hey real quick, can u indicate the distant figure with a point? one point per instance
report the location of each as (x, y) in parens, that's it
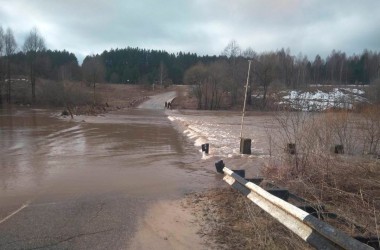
(169, 105)
(166, 104)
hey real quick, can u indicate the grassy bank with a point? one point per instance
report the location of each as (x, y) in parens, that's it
(80, 97)
(344, 182)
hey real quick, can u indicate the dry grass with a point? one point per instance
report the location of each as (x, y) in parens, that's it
(346, 184)
(231, 221)
(79, 97)
(349, 188)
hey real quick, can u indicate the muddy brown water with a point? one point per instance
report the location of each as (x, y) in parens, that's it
(86, 181)
(122, 150)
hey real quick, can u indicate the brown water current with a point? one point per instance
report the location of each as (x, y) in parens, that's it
(132, 149)
(88, 179)
(102, 182)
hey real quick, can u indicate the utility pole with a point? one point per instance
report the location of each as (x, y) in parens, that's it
(245, 143)
(245, 99)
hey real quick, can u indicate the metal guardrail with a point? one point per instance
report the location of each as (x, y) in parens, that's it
(312, 230)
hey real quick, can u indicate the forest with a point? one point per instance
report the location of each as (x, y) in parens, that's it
(210, 75)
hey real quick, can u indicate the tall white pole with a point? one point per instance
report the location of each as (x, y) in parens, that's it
(245, 99)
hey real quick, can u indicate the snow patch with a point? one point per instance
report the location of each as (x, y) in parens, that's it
(318, 100)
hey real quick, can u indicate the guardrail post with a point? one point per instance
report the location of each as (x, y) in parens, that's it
(205, 148)
(291, 148)
(338, 149)
(245, 146)
(219, 166)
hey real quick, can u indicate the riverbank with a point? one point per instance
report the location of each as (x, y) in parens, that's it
(344, 184)
(111, 97)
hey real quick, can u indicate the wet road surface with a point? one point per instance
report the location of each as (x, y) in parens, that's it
(158, 101)
(84, 185)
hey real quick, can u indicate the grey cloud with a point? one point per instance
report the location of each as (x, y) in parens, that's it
(201, 26)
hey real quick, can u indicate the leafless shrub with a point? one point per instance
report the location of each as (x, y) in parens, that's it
(374, 91)
(370, 127)
(75, 94)
(21, 93)
(346, 184)
(342, 131)
(51, 93)
(293, 126)
(60, 94)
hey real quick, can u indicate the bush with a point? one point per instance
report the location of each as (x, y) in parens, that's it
(76, 94)
(346, 184)
(51, 93)
(60, 94)
(374, 91)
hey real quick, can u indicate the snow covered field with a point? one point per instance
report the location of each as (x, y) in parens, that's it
(318, 100)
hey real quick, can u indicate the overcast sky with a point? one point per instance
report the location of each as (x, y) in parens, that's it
(201, 26)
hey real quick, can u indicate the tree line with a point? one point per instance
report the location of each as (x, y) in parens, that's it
(211, 76)
(214, 76)
(226, 76)
(32, 60)
(141, 66)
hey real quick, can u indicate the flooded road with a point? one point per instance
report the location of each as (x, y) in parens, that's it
(221, 129)
(111, 181)
(84, 184)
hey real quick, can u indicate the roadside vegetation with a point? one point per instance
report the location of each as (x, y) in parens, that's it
(229, 220)
(335, 164)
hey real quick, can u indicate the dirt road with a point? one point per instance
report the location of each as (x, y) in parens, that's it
(158, 101)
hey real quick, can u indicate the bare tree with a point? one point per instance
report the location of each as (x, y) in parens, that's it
(250, 54)
(218, 80)
(342, 62)
(34, 44)
(370, 125)
(209, 83)
(317, 69)
(2, 78)
(163, 72)
(197, 77)
(10, 48)
(232, 51)
(373, 92)
(265, 73)
(301, 63)
(287, 67)
(93, 71)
